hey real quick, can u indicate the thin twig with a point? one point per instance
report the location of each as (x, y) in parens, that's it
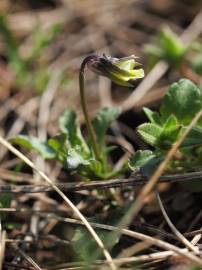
(134, 249)
(2, 247)
(51, 238)
(178, 234)
(135, 181)
(196, 238)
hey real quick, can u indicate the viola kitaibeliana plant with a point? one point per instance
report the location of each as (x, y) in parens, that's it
(88, 156)
(167, 46)
(179, 106)
(182, 56)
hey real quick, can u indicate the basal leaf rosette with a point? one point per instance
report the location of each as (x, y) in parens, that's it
(122, 71)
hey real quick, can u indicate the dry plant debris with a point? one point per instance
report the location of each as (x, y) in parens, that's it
(42, 45)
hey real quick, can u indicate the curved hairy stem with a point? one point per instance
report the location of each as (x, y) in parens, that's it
(89, 126)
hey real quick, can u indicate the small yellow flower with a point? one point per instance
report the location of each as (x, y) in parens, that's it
(121, 71)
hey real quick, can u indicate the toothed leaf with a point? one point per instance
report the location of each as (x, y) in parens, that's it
(150, 133)
(183, 100)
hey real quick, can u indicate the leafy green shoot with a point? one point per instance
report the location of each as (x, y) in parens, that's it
(72, 150)
(181, 103)
(166, 46)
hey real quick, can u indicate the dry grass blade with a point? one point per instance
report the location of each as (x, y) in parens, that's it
(45, 102)
(194, 29)
(132, 250)
(2, 247)
(135, 181)
(196, 239)
(69, 203)
(178, 234)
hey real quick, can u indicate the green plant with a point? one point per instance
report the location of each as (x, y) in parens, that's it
(87, 157)
(179, 106)
(29, 69)
(166, 46)
(169, 47)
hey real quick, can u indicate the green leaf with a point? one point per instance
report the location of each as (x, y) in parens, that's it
(167, 46)
(68, 125)
(171, 129)
(140, 159)
(172, 46)
(171, 123)
(45, 150)
(102, 122)
(60, 144)
(183, 100)
(74, 159)
(170, 132)
(150, 133)
(154, 117)
(57, 142)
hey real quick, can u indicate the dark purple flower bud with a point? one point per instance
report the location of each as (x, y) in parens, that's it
(121, 71)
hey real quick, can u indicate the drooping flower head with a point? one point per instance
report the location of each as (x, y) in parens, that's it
(121, 71)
